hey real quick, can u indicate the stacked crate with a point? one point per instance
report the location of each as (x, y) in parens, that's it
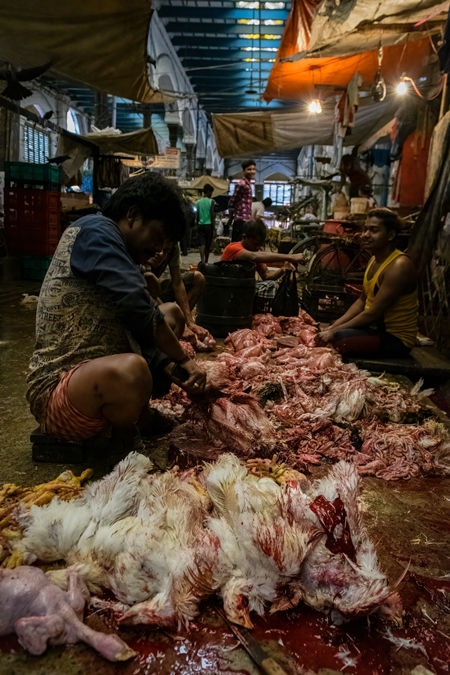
(32, 221)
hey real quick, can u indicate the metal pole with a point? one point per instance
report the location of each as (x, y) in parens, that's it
(113, 111)
(444, 96)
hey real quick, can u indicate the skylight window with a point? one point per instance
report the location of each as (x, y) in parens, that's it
(257, 49)
(256, 22)
(255, 5)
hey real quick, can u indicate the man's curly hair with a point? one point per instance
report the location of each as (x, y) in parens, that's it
(156, 198)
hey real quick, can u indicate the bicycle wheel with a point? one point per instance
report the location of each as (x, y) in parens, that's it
(310, 245)
(338, 264)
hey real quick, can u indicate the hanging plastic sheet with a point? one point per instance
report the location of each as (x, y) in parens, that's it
(355, 26)
(259, 133)
(431, 218)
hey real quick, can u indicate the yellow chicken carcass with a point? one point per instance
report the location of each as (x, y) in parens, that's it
(17, 498)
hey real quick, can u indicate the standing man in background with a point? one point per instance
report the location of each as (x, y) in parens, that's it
(240, 205)
(205, 222)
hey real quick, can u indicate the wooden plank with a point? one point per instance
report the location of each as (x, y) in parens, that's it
(429, 357)
(423, 362)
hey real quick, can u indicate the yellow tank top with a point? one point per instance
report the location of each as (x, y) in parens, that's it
(401, 319)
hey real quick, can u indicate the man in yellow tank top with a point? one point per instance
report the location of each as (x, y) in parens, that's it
(384, 318)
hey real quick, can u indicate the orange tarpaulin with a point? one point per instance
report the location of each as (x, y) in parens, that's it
(309, 78)
(297, 32)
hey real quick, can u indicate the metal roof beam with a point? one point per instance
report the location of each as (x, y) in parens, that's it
(175, 12)
(206, 42)
(175, 27)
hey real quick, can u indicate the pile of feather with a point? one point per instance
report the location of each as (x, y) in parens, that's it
(274, 391)
(259, 536)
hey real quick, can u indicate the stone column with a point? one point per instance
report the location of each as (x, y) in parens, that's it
(173, 134)
(190, 158)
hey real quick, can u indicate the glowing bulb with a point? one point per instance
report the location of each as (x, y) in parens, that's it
(402, 88)
(315, 106)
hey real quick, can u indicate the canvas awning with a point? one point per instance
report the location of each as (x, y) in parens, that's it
(101, 44)
(142, 142)
(255, 133)
(220, 185)
(318, 53)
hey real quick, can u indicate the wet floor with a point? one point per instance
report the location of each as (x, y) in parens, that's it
(409, 522)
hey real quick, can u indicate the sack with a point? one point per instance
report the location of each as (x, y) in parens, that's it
(285, 302)
(219, 229)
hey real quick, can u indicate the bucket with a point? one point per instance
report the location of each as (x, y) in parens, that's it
(227, 301)
(333, 226)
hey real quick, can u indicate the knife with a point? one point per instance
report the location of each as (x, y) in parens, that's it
(267, 664)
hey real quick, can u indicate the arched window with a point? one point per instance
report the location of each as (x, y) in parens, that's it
(72, 122)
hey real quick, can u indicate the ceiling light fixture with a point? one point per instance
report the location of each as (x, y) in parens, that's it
(315, 106)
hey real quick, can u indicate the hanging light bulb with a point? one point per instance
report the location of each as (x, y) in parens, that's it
(378, 84)
(315, 106)
(401, 88)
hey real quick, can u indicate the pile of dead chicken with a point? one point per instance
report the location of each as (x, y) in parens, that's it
(260, 537)
(281, 393)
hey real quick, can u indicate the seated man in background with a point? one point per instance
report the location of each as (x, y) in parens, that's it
(384, 318)
(254, 234)
(177, 295)
(259, 208)
(102, 344)
(205, 222)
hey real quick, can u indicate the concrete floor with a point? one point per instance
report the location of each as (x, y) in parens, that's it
(410, 522)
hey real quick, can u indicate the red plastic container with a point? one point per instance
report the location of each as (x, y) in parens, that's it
(334, 227)
(32, 221)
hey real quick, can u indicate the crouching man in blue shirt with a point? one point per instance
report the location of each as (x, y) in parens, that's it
(102, 344)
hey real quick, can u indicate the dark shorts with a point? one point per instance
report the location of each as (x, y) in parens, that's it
(360, 342)
(167, 294)
(238, 226)
(204, 235)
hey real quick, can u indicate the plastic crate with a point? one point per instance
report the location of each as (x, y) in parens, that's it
(31, 173)
(33, 185)
(326, 304)
(262, 305)
(35, 268)
(36, 243)
(31, 206)
(32, 221)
